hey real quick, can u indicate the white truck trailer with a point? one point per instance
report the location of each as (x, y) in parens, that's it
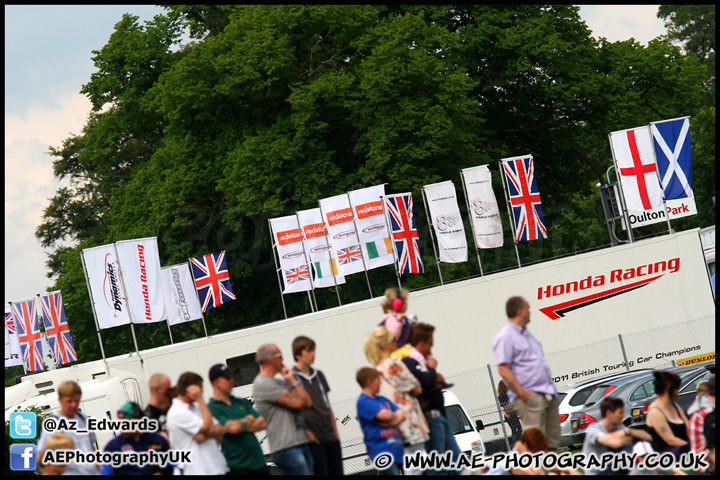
(650, 284)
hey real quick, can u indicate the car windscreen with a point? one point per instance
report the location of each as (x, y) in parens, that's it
(459, 423)
(602, 391)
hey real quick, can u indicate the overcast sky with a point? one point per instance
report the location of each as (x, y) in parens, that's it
(48, 53)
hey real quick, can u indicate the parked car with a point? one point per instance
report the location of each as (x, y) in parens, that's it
(466, 435)
(573, 397)
(641, 398)
(638, 387)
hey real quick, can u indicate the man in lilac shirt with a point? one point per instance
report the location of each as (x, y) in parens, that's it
(521, 363)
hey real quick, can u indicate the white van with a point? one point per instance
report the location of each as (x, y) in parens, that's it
(466, 435)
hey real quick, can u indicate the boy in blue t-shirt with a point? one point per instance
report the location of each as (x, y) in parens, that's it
(379, 418)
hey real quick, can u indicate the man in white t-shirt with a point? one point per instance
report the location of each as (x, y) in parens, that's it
(192, 427)
(609, 434)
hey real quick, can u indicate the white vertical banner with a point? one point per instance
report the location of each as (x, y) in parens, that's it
(371, 229)
(293, 263)
(106, 288)
(12, 345)
(446, 221)
(140, 265)
(483, 207)
(320, 253)
(181, 300)
(338, 217)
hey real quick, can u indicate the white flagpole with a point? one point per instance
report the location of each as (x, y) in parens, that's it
(622, 191)
(510, 213)
(202, 315)
(277, 269)
(127, 299)
(472, 222)
(392, 242)
(431, 225)
(92, 304)
(362, 257)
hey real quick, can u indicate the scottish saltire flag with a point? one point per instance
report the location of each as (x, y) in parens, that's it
(524, 198)
(212, 280)
(349, 255)
(28, 328)
(56, 328)
(399, 211)
(297, 274)
(672, 152)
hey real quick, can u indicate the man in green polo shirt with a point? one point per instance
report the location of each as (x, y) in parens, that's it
(239, 445)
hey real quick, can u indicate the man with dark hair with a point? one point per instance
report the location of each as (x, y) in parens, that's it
(609, 434)
(422, 364)
(239, 444)
(280, 402)
(324, 441)
(521, 364)
(192, 427)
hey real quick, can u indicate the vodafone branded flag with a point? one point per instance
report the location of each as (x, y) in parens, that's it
(102, 273)
(140, 266)
(293, 263)
(447, 222)
(320, 252)
(338, 217)
(372, 230)
(483, 207)
(635, 159)
(181, 300)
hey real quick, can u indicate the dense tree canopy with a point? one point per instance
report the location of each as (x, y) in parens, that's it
(270, 108)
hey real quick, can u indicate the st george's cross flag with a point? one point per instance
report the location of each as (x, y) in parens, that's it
(29, 337)
(56, 328)
(633, 153)
(12, 346)
(524, 198)
(212, 280)
(399, 213)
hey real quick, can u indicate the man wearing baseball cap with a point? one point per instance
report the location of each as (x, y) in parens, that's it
(137, 441)
(239, 445)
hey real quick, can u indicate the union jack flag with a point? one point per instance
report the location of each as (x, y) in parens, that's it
(349, 255)
(212, 280)
(404, 233)
(28, 328)
(524, 198)
(57, 329)
(297, 274)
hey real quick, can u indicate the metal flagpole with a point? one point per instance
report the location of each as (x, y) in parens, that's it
(22, 359)
(333, 266)
(622, 191)
(431, 224)
(657, 172)
(472, 223)
(277, 269)
(92, 304)
(197, 294)
(307, 261)
(392, 242)
(512, 217)
(127, 299)
(367, 278)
